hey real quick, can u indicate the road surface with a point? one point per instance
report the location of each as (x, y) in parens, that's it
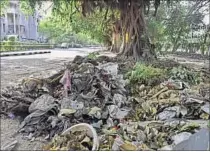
(14, 68)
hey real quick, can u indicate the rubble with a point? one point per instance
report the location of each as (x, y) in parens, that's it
(126, 116)
(181, 137)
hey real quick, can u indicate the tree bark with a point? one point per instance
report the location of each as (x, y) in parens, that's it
(134, 26)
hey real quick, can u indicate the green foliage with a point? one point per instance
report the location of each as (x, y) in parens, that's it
(93, 55)
(68, 20)
(51, 29)
(7, 46)
(185, 75)
(28, 7)
(3, 6)
(58, 33)
(12, 38)
(143, 73)
(92, 25)
(170, 29)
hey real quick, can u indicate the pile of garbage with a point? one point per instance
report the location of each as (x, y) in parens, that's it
(94, 92)
(89, 93)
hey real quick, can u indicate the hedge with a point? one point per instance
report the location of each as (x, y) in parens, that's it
(7, 46)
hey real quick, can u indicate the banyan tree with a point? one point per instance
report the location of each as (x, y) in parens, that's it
(130, 26)
(130, 36)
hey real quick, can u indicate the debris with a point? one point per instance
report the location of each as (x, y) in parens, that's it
(166, 114)
(11, 115)
(184, 74)
(119, 100)
(128, 147)
(42, 103)
(167, 148)
(111, 68)
(144, 112)
(181, 137)
(183, 110)
(98, 125)
(206, 108)
(194, 99)
(190, 127)
(66, 112)
(66, 81)
(78, 137)
(141, 137)
(117, 113)
(164, 89)
(117, 143)
(95, 112)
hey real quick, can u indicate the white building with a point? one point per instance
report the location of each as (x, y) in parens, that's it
(14, 22)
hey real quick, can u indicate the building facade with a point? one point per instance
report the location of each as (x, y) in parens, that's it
(14, 22)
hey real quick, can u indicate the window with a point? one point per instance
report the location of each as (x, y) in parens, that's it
(4, 28)
(12, 5)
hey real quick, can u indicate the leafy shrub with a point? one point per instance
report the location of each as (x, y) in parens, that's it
(143, 73)
(22, 46)
(93, 55)
(12, 38)
(184, 74)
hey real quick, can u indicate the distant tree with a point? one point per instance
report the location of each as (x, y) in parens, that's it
(3, 6)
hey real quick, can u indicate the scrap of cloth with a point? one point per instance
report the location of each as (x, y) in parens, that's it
(66, 80)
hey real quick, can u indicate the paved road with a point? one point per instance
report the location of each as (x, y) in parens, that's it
(14, 68)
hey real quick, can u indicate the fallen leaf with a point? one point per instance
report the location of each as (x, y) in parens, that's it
(128, 147)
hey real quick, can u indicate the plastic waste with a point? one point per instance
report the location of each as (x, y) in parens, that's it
(206, 108)
(91, 132)
(117, 143)
(42, 103)
(111, 68)
(166, 115)
(181, 137)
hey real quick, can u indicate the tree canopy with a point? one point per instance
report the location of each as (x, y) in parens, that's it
(125, 20)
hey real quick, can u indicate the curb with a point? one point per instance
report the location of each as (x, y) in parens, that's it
(27, 53)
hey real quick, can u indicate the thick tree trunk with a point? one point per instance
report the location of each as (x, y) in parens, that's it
(134, 27)
(116, 38)
(115, 43)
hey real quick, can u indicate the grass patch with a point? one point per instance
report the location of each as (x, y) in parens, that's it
(142, 73)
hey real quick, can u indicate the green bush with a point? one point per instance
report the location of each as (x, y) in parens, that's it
(186, 75)
(142, 73)
(9, 45)
(12, 38)
(93, 55)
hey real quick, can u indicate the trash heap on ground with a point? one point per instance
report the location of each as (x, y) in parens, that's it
(136, 111)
